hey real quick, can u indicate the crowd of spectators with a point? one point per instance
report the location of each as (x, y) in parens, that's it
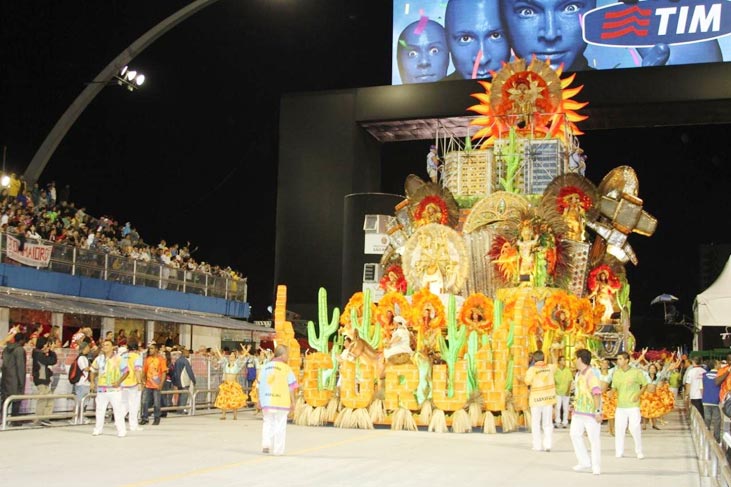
(46, 215)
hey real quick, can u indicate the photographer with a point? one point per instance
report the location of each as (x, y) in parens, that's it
(43, 358)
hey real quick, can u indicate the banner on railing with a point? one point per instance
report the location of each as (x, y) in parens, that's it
(33, 254)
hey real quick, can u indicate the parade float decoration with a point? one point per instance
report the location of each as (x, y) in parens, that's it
(515, 250)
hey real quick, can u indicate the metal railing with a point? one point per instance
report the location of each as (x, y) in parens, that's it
(36, 417)
(71, 260)
(712, 464)
(78, 414)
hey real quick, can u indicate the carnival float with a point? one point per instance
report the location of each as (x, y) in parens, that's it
(514, 250)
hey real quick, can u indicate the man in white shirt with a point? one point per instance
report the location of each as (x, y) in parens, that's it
(693, 381)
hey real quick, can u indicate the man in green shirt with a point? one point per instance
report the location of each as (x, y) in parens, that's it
(563, 379)
(629, 383)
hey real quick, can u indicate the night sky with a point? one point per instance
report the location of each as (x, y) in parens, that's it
(178, 158)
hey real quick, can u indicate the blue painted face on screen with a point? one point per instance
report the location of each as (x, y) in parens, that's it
(474, 29)
(548, 29)
(422, 53)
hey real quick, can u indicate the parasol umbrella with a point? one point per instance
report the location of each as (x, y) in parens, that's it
(664, 298)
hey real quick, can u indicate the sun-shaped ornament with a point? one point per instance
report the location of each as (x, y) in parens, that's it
(531, 98)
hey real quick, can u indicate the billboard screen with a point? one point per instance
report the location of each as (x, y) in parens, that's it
(437, 40)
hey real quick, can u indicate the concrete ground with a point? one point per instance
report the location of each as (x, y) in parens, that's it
(204, 451)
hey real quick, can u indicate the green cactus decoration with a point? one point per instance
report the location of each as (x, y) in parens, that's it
(623, 299)
(364, 326)
(513, 158)
(320, 342)
(328, 377)
(497, 314)
(457, 336)
(509, 375)
(471, 356)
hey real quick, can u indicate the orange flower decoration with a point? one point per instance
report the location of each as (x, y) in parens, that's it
(476, 313)
(355, 302)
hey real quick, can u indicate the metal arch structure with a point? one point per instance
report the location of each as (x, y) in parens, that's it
(72, 113)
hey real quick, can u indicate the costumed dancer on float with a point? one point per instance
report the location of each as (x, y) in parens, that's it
(231, 395)
(398, 351)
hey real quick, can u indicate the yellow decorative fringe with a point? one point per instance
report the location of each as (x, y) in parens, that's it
(425, 414)
(438, 423)
(318, 416)
(332, 409)
(343, 420)
(475, 411)
(302, 415)
(403, 420)
(461, 422)
(489, 424)
(377, 412)
(361, 419)
(509, 420)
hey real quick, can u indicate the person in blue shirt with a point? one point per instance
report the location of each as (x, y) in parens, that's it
(711, 391)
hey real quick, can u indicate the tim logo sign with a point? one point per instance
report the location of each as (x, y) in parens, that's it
(651, 22)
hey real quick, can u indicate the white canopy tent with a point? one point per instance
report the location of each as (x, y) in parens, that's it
(712, 307)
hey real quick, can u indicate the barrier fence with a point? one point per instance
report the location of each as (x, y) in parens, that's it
(67, 406)
(713, 464)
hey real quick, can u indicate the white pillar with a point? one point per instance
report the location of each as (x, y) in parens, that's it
(4, 321)
(185, 335)
(107, 325)
(149, 332)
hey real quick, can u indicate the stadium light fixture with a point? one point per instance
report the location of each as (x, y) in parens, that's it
(130, 79)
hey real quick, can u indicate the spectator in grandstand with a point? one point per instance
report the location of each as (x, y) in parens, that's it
(121, 338)
(65, 194)
(52, 195)
(134, 338)
(13, 186)
(108, 371)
